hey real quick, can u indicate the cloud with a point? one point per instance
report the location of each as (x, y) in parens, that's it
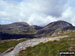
(40, 19)
(69, 15)
(36, 12)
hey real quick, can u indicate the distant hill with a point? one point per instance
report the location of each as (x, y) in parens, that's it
(37, 27)
(55, 28)
(17, 28)
(24, 30)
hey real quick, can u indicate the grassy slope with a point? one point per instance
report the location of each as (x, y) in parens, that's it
(4, 45)
(50, 48)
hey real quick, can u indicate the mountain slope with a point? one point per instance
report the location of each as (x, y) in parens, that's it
(22, 30)
(55, 28)
(37, 27)
(17, 28)
(31, 43)
(51, 48)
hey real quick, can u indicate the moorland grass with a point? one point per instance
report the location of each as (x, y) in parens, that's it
(6, 44)
(51, 48)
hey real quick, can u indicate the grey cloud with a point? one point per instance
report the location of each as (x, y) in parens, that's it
(37, 12)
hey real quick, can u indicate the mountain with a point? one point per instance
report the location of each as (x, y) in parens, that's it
(17, 28)
(23, 30)
(37, 27)
(55, 28)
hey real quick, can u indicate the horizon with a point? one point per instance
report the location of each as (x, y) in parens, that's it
(35, 25)
(37, 12)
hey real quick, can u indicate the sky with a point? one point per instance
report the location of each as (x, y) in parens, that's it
(37, 12)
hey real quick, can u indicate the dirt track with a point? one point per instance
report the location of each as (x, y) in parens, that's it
(23, 45)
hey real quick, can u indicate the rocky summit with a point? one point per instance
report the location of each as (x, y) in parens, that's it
(55, 28)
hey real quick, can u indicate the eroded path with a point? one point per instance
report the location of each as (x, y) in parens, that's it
(23, 45)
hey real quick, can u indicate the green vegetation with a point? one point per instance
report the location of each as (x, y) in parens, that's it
(72, 34)
(51, 48)
(48, 49)
(6, 44)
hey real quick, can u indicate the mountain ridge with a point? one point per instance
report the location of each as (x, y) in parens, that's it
(23, 28)
(17, 28)
(55, 28)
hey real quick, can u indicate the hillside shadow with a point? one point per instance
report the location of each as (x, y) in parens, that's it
(5, 36)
